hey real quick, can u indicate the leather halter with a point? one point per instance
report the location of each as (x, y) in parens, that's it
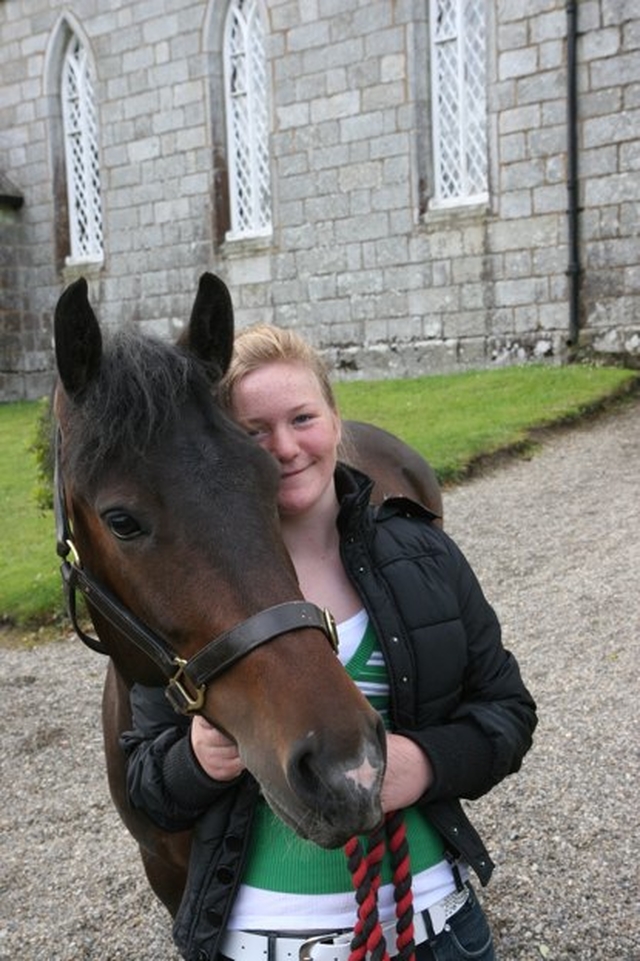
(186, 679)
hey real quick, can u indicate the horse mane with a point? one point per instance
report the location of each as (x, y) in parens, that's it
(141, 385)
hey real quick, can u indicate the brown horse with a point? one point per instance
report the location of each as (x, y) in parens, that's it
(394, 467)
(167, 524)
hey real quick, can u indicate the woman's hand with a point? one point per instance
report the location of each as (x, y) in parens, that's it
(408, 774)
(216, 753)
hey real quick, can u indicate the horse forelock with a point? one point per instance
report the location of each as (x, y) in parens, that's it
(141, 389)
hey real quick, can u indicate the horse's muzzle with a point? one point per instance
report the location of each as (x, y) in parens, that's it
(341, 797)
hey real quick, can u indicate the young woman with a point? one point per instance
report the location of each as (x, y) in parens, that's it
(458, 722)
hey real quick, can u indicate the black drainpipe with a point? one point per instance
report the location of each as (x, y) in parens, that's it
(574, 269)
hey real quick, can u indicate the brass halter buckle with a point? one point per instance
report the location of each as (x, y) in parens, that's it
(331, 629)
(73, 550)
(181, 693)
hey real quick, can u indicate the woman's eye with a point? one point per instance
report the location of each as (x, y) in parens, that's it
(257, 432)
(123, 525)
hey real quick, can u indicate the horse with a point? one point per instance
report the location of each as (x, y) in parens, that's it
(167, 525)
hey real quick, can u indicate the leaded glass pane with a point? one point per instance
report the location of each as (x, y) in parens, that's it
(81, 154)
(247, 120)
(458, 55)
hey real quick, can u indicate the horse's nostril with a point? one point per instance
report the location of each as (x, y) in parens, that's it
(302, 774)
(381, 739)
(303, 769)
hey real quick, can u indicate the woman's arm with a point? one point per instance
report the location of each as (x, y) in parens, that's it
(487, 735)
(165, 778)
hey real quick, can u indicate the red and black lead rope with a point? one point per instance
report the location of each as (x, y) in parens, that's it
(364, 867)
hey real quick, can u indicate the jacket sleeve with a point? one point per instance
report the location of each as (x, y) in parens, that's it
(164, 778)
(489, 728)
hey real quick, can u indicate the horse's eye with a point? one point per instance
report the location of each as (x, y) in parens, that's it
(123, 525)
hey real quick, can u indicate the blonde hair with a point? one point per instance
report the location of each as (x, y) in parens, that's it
(265, 344)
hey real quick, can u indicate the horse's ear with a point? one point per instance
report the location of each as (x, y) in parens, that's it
(210, 332)
(77, 338)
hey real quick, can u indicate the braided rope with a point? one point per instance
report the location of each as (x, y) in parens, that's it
(368, 938)
(402, 886)
(367, 933)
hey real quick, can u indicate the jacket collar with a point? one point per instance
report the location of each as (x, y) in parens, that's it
(354, 492)
(353, 489)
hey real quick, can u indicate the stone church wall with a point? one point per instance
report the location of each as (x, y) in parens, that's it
(359, 260)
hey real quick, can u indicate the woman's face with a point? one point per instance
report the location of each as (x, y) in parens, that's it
(282, 405)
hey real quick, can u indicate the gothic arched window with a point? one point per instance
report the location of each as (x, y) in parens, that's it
(247, 117)
(80, 131)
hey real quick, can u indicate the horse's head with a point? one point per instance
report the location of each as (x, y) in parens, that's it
(172, 510)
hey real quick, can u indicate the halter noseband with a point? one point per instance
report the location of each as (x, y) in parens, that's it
(186, 679)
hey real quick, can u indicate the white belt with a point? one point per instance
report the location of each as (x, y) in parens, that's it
(245, 946)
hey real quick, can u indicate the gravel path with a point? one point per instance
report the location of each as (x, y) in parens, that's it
(555, 543)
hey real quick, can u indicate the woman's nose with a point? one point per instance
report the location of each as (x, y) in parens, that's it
(283, 444)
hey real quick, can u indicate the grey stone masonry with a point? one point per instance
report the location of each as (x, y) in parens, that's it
(360, 259)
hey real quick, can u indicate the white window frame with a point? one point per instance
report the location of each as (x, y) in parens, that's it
(79, 119)
(247, 121)
(462, 37)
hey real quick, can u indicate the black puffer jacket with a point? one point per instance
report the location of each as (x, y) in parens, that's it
(454, 690)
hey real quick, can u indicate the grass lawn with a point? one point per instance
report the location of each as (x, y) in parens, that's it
(29, 579)
(453, 419)
(450, 419)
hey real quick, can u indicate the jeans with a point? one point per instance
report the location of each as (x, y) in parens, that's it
(466, 935)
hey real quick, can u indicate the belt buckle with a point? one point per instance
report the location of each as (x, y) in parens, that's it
(440, 913)
(438, 916)
(306, 948)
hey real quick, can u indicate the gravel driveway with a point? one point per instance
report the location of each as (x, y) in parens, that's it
(555, 541)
